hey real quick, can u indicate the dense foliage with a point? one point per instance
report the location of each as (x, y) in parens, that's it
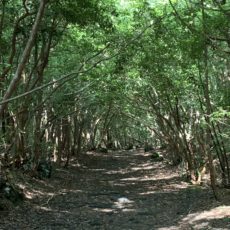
(86, 75)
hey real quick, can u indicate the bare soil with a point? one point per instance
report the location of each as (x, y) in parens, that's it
(123, 190)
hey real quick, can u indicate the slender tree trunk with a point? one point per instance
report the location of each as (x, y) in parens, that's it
(25, 56)
(59, 142)
(79, 137)
(208, 108)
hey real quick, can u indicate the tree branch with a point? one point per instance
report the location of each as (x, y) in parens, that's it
(79, 71)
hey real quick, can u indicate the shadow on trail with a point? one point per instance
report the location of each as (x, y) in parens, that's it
(120, 191)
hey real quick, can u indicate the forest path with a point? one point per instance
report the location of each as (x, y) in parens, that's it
(116, 191)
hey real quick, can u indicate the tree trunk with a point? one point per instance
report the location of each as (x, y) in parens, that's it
(25, 56)
(208, 108)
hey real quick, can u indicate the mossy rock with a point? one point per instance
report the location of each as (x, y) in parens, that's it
(102, 150)
(129, 147)
(157, 157)
(13, 194)
(44, 169)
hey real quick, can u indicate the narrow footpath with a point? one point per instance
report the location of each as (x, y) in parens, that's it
(123, 190)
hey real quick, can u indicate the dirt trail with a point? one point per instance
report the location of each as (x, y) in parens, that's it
(116, 191)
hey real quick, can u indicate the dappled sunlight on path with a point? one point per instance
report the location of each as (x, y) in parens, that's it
(117, 191)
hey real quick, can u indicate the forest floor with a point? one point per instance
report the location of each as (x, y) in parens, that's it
(124, 190)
